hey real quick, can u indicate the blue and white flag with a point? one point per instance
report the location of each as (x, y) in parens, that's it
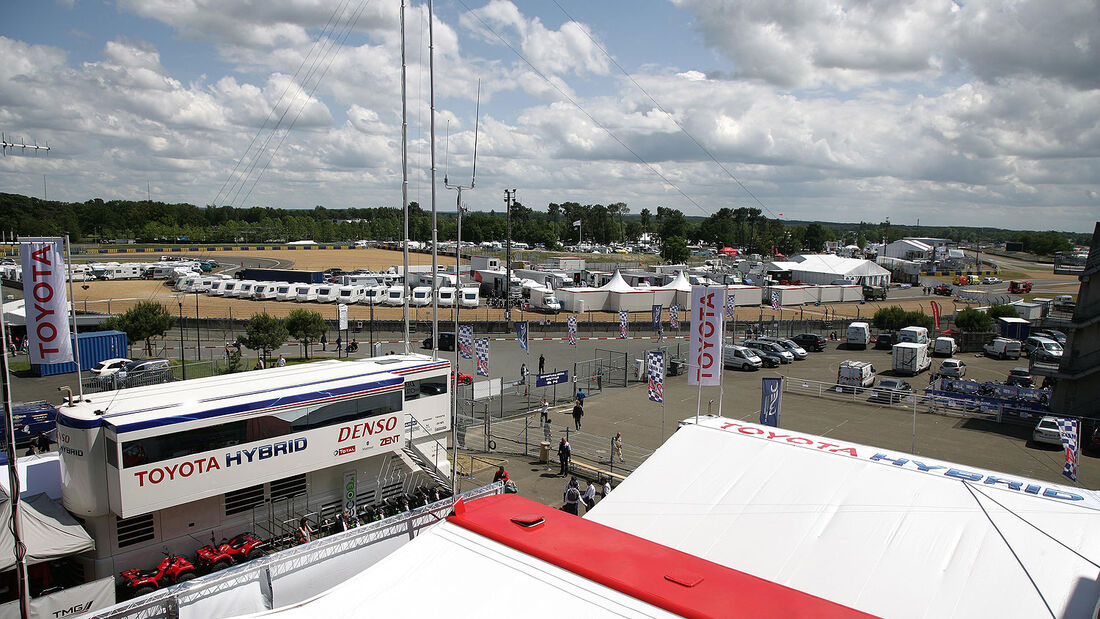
(572, 331)
(623, 317)
(655, 375)
(481, 347)
(771, 399)
(1067, 429)
(466, 341)
(731, 309)
(657, 318)
(674, 316)
(521, 333)
(775, 299)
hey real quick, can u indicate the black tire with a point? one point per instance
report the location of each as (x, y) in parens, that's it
(255, 553)
(492, 444)
(184, 577)
(219, 566)
(143, 590)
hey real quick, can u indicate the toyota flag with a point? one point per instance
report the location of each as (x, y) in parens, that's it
(771, 398)
(705, 350)
(47, 305)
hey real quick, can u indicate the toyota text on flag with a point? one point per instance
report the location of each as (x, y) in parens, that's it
(706, 337)
(46, 301)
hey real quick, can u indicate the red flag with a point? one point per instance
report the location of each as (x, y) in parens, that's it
(936, 314)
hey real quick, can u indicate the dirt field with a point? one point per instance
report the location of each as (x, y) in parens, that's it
(118, 296)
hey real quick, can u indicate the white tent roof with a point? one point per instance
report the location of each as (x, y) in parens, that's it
(679, 283)
(830, 263)
(865, 527)
(617, 284)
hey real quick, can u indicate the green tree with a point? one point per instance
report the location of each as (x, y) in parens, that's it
(674, 249)
(814, 237)
(917, 319)
(971, 320)
(890, 318)
(305, 326)
(143, 321)
(265, 333)
(1003, 311)
(645, 214)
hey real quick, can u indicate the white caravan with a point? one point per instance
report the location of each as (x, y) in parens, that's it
(216, 288)
(285, 291)
(469, 298)
(350, 294)
(374, 295)
(244, 289)
(421, 296)
(446, 297)
(263, 291)
(305, 292)
(327, 293)
(395, 295)
(229, 288)
(186, 284)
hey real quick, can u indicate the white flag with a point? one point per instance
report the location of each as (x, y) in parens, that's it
(47, 305)
(705, 350)
(577, 223)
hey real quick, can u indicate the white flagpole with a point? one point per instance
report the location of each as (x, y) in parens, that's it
(698, 369)
(72, 313)
(722, 354)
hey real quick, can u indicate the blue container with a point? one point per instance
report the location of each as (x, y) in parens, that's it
(30, 418)
(95, 346)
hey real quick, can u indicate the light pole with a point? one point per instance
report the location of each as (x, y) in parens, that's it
(182, 362)
(198, 338)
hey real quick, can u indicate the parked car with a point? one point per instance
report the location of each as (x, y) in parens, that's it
(1042, 349)
(109, 366)
(811, 341)
(1020, 376)
(991, 280)
(145, 371)
(1064, 302)
(953, 368)
(788, 356)
(799, 353)
(769, 358)
(1051, 334)
(885, 341)
(740, 357)
(891, 390)
(1046, 431)
(463, 378)
(446, 341)
(1002, 348)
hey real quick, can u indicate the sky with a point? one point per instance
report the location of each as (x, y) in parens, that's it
(970, 113)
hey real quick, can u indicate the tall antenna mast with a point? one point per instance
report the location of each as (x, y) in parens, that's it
(435, 227)
(458, 287)
(404, 184)
(5, 145)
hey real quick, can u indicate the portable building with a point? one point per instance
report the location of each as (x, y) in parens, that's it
(1013, 328)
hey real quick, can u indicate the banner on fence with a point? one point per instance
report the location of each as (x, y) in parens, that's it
(481, 347)
(674, 317)
(522, 329)
(1067, 429)
(771, 400)
(731, 309)
(936, 315)
(623, 317)
(705, 350)
(655, 375)
(552, 378)
(466, 341)
(572, 330)
(47, 305)
(657, 318)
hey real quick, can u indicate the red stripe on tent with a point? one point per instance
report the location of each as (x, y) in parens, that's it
(664, 577)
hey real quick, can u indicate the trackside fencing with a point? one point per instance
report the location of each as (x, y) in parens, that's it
(289, 576)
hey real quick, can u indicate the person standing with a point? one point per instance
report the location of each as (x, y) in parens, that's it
(606, 489)
(500, 475)
(523, 373)
(544, 411)
(617, 447)
(281, 362)
(42, 442)
(589, 497)
(542, 364)
(580, 396)
(578, 412)
(564, 453)
(572, 498)
(324, 342)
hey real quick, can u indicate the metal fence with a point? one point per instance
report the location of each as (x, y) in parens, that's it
(266, 571)
(192, 369)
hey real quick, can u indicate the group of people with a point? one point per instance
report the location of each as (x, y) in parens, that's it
(574, 498)
(353, 344)
(525, 373)
(40, 445)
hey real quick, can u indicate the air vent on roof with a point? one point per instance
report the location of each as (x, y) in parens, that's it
(387, 361)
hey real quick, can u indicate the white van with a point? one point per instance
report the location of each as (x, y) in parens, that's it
(740, 357)
(305, 292)
(915, 335)
(945, 346)
(1002, 348)
(855, 376)
(858, 335)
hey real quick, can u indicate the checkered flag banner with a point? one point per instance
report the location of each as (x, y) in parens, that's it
(522, 329)
(1067, 429)
(655, 375)
(674, 316)
(466, 341)
(623, 317)
(572, 331)
(481, 347)
(731, 309)
(775, 299)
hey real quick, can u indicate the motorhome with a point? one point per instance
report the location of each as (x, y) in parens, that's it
(910, 358)
(263, 291)
(155, 467)
(327, 293)
(446, 297)
(395, 296)
(115, 270)
(916, 335)
(421, 296)
(285, 291)
(469, 298)
(542, 299)
(305, 292)
(858, 335)
(350, 294)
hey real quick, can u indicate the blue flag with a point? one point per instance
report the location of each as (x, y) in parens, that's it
(521, 334)
(771, 398)
(657, 318)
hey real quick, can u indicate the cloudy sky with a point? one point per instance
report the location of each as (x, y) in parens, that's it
(973, 112)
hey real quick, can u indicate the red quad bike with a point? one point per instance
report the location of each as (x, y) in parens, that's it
(241, 548)
(171, 570)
